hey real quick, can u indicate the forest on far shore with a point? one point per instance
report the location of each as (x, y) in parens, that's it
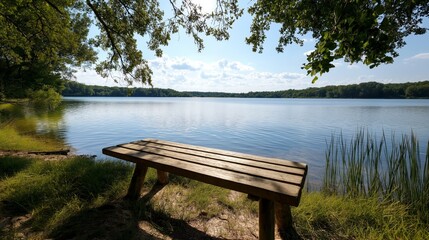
(362, 90)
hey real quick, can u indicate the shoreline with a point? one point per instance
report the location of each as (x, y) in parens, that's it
(44, 155)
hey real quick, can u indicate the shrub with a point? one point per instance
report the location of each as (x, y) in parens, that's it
(45, 97)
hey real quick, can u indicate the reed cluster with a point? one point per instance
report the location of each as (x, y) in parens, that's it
(389, 170)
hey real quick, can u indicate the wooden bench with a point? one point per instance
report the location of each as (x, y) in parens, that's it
(276, 183)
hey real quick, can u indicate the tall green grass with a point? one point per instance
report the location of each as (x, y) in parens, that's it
(53, 191)
(385, 168)
(81, 198)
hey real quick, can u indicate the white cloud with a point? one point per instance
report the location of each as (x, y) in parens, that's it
(184, 66)
(338, 63)
(207, 6)
(222, 75)
(184, 74)
(353, 66)
(366, 78)
(308, 52)
(309, 40)
(420, 56)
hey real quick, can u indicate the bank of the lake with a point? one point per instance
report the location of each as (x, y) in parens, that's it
(82, 197)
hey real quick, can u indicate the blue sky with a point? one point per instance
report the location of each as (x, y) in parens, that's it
(231, 66)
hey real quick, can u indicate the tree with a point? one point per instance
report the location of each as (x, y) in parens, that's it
(418, 91)
(53, 34)
(40, 42)
(368, 31)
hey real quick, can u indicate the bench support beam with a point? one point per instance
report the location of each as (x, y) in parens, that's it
(266, 219)
(284, 219)
(162, 177)
(136, 185)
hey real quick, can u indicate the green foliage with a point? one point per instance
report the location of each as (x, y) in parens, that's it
(371, 167)
(41, 42)
(362, 90)
(52, 36)
(72, 88)
(46, 97)
(358, 31)
(421, 91)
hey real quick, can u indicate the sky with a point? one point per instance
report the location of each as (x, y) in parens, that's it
(231, 66)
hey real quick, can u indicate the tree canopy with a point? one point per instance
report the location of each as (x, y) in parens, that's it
(368, 31)
(53, 35)
(43, 41)
(362, 90)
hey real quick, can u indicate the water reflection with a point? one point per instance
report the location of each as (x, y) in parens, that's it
(28, 119)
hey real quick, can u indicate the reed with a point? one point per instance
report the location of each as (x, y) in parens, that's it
(390, 170)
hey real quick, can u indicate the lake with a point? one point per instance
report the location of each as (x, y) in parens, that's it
(294, 129)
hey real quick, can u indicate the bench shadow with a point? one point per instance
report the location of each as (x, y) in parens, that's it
(166, 225)
(127, 219)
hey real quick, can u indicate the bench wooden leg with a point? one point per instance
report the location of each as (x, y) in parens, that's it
(284, 221)
(266, 219)
(134, 191)
(162, 177)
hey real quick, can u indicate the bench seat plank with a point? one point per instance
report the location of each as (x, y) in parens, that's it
(233, 167)
(226, 158)
(263, 177)
(276, 161)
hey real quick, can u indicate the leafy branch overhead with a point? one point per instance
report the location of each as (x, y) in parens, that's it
(53, 35)
(120, 21)
(368, 31)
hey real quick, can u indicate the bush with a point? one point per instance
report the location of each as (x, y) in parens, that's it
(46, 97)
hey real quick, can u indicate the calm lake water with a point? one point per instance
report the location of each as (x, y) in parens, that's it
(294, 129)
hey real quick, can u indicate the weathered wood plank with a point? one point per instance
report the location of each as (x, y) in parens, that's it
(266, 219)
(283, 217)
(225, 158)
(233, 167)
(277, 161)
(162, 177)
(276, 191)
(137, 181)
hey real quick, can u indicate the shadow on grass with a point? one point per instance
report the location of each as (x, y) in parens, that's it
(127, 219)
(82, 199)
(113, 220)
(10, 165)
(171, 227)
(55, 191)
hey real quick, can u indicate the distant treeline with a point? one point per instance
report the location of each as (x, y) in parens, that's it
(362, 90)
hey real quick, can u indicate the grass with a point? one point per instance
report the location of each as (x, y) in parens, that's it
(83, 197)
(54, 191)
(377, 168)
(322, 216)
